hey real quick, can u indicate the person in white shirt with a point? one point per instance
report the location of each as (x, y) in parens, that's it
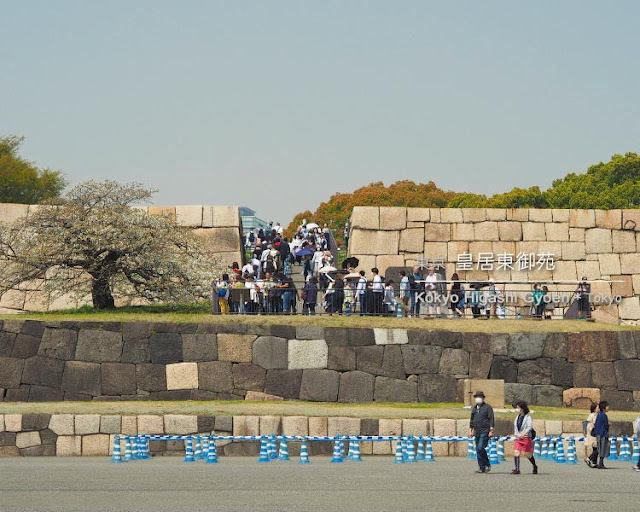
(432, 296)
(389, 298)
(361, 293)
(278, 229)
(378, 291)
(247, 270)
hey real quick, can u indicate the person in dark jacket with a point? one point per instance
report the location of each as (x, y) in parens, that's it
(310, 296)
(481, 427)
(601, 431)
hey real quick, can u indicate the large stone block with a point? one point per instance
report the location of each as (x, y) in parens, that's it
(480, 365)
(619, 400)
(87, 424)
(609, 264)
(497, 214)
(309, 332)
(610, 219)
(343, 426)
(118, 379)
(493, 390)
(304, 354)
(151, 377)
(319, 385)
(58, 343)
(412, 240)
(69, 446)
(474, 214)
(390, 336)
(270, 352)
(504, 368)
(526, 345)
(284, 383)
(510, 231)
(365, 217)
(62, 424)
(451, 215)
(136, 351)
(215, 376)
(129, 425)
(249, 377)
(631, 219)
(10, 372)
(454, 362)
(557, 232)
(235, 347)
(181, 424)
(515, 392)
(318, 426)
(82, 377)
(183, 376)
(533, 231)
(419, 359)
(374, 242)
(580, 398)
(627, 373)
(395, 390)
(547, 396)
(270, 425)
(199, 347)
(7, 341)
(582, 218)
(630, 263)
(624, 286)
(623, 241)
(593, 346)
(341, 358)
(220, 240)
(25, 346)
(598, 240)
(299, 426)
(189, 216)
(485, 231)
(95, 445)
(246, 425)
(385, 261)
(165, 348)
(112, 424)
(369, 359)
(43, 371)
(572, 251)
(356, 386)
(351, 337)
(393, 217)
(561, 372)
(437, 232)
(418, 215)
(99, 346)
(28, 439)
(629, 308)
(462, 232)
(582, 375)
(537, 371)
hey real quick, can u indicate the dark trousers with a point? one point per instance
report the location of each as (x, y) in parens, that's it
(363, 304)
(377, 303)
(594, 456)
(482, 441)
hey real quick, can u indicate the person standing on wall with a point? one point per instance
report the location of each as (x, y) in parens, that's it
(523, 432)
(481, 427)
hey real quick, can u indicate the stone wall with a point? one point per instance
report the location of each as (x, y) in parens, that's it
(601, 244)
(93, 434)
(218, 226)
(52, 361)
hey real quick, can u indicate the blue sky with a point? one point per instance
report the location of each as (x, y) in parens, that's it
(278, 104)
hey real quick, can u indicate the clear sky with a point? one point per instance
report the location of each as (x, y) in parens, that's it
(278, 104)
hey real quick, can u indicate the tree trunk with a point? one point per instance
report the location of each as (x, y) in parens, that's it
(101, 294)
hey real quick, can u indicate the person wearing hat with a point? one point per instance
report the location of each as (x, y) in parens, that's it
(481, 427)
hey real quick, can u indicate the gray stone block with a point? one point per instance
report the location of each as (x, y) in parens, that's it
(561, 373)
(206, 423)
(628, 374)
(166, 348)
(437, 388)
(111, 424)
(151, 377)
(618, 400)
(421, 358)
(348, 337)
(178, 394)
(43, 371)
(454, 361)
(480, 365)
(45, 394)
(395, 390)
(10, 372)
(7, 340)
(514, 392)
(393, 363)
(626, 345)
(446, 339)
(309, 332)
(216, 376)
(48, 437)
(369, 427)
(419, 337)
(476, 342)
(603, 375)
(136, 330)
(136, 351)
(284, 383)
(18, 395)
(556, 345)
(99, 346)
(224, 424)
(270, 353)
(356, 386)
(526, 345)
(369, 359)
(33, 328)
(341, 358)
(58, 343)
(25, 346)
(81, 377)
(35, 421)
(118, 379)
(504, 368)
(7, 438)
(249, 377)
(283, 331)
(582, 375)
(537, 371)
(201, 395)
(199, 347)
(547, 396)
(319, 385)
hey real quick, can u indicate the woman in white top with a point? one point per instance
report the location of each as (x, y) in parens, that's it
(522, 431)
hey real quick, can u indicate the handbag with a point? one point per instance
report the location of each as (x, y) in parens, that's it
(533, 433)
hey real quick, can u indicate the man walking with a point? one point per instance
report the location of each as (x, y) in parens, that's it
(481, 427)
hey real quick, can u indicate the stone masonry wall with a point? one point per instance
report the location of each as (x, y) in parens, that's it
(53, 361)
(600, 244)
(93, 434)
(218, 226)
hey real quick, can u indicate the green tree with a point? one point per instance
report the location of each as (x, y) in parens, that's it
(21, 181)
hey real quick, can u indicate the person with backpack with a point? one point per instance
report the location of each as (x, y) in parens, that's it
(524, 434)
(310, 296)
(589, 439)
(223, 294)
(601, 431)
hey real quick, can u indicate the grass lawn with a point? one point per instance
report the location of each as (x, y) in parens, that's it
(290, 408)
(200, 313)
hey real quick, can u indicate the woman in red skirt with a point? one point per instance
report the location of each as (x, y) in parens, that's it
(523, 427)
